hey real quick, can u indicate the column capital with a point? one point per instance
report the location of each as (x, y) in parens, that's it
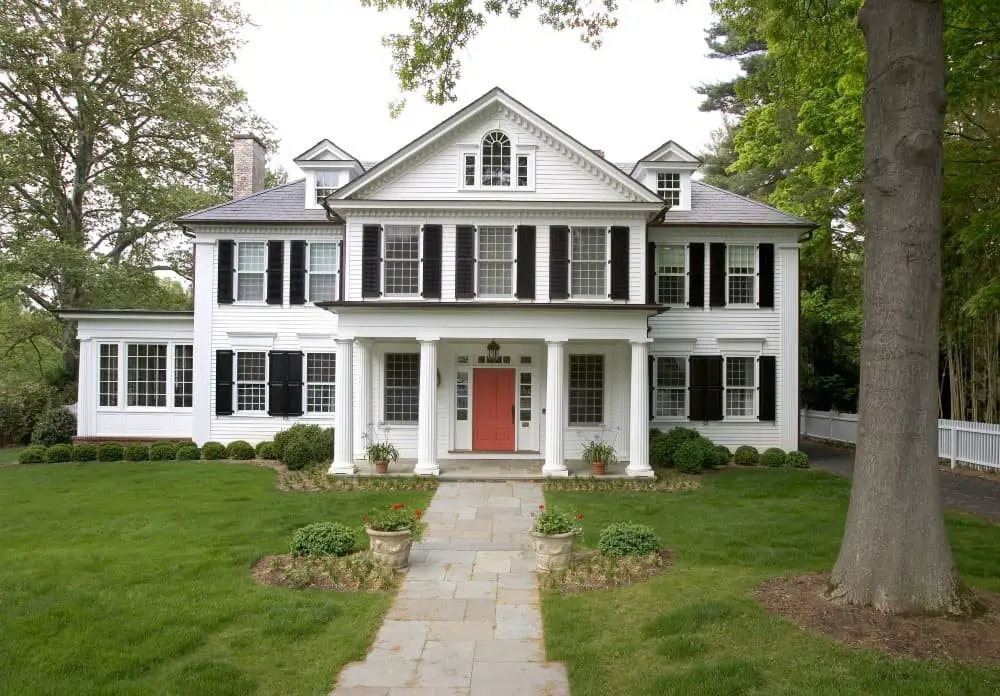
(640, 341)
(428, 339)
(346, 340)
(556, 341)
(363, 341)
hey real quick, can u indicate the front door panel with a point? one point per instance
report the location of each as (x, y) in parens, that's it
(493, 409)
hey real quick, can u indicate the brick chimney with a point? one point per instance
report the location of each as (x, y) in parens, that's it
(248, 165)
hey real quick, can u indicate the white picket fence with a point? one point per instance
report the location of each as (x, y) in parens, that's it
(963, 443)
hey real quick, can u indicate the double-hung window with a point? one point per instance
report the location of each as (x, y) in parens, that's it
(671, 274)
(402, 387)
(588, 262)
(586, 389)
(495, 268)
(324, 270)
(321, 373)
(740, 386)
(251, 265)
(402, 260)
(741, 275)
(670, 388)
(668, 186)
(326, 183)
(469, 169)
(146, 375)
(251, 381)
(183, 376)
(108, 376)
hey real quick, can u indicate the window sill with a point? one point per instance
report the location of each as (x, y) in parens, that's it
(670, 419)
(740, 419)
(740, 307)
(145, 409)
(401, 424)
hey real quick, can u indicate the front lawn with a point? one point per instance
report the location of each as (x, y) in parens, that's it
(134, 578)
(8, 455)
(697, 631)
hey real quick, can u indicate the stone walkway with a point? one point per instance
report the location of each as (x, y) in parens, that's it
(466, 621)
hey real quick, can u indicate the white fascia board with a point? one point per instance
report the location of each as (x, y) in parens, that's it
(511, 205)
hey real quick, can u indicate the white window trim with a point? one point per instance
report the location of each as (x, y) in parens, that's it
(755, 362)
(123, 377)
(513, 266)
(605, 402)
(316, 188)
(416, 296)
(687, 388)
(384, 369)
(516, 150)
(679, 190)
(236, 273)
(754, 304)
(686, 275)
(306, 413)
(607, 263)
(336, 273)
(236, 381)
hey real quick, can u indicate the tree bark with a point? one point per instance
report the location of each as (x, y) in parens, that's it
(895, 554)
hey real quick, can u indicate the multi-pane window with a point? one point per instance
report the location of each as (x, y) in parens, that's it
(740, 391)
(586, 389)
(469, 173)
(588, 262)
(402, 259)
(321, 373)
(109, 374)
(496, 261)
(522, 170)
(668, 186)
(146, 373)
(670, 388)
(183, 376)
(741, 276)
(462, 396)
(524, 398)
(324, 266)
(496, 159)
(671, 277)
(402, 387)
(251, 381)
(326, 183)
(251, 264)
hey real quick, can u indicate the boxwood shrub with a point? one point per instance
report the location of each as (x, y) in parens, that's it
(241, 450)
(110, 452)
(84, 453)
(773, 457)
(722, 455)
(660, 453)
(673, 439)
(162, 451)
(56, 426)
(136, 453)
(59, 453)
(188, 452)
(213, 450)
(266, 450)
(694, 455)
(298, 455)
(323, 539)
(628, 539)
(746, 455)
(32, 455)
(797, 460)
(318, 442)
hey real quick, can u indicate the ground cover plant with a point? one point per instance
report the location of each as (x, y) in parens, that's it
(697, 629)
(135, 578)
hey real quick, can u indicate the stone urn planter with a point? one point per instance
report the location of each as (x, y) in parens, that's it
(391, 548)
(553, 551)
(381, 467)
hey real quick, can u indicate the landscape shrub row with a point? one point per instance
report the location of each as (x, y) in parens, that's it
(137, 452)
(689, 452)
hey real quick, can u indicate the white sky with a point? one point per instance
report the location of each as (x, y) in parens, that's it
(317, 69)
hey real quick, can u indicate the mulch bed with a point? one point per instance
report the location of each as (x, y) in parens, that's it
(589, 570)
(801, 599)
(664, 482)
(357, 572)
(317, 479)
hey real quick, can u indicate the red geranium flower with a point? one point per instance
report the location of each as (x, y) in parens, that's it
(364, 518)
(541, 507)
(417, 513)
(398, 506)
(579, 516)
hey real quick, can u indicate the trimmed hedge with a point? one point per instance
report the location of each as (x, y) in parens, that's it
(694, 455)
(188, 452)
(266, 450)
(628, 539)
(213, 451)
(318, 444)
(32, 455)
(240, 450)
(773, 457)
(163, 451)
(797, 460)
(722, 455)
(110, 452)
(84, 453)
(59, 453)
(672, 441)
(56, 426)
(298, 455)
(323, 539)
(136, 453)
(746, 455)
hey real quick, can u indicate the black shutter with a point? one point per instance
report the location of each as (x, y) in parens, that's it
(225, 284)
(696, 275)
(765, 255)
(432, 262)
(525, 262)
(705, 389)
(342, 274)
(297, 273)
(293, 384)
(371, 261)
(223, 382)
(717, 275)
(619, 263)
(558, 262)
(651, 273)
(652, 387)
(768, 388)
(275, 270)
(277, 377)
(465, 262)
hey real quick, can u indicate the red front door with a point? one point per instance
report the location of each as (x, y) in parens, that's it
(493, 409)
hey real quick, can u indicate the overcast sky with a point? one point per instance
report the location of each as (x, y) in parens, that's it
(317, 69)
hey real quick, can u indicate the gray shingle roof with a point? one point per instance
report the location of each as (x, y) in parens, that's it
(714, 206)
(284, 203)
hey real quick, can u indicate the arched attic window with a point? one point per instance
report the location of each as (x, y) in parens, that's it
(496, 159)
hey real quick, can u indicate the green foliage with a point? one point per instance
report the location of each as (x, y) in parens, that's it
(746, 455)
(660, 452)
(136, 452)
(381, 452)
(773, 457)
(298, 455)
(393, 518)
(323, 539)
(55, 426)
(21, 405)
(163, 451)
(597, 450)
(628, 539)
(59, 453)
(32, 455)
(240, 450)
(188, 452)
(110, 452)
(318, 444)
(266, 450)
(673, 439)
(552, 520)
(213, 451)
(722, 456)
(84, 453)
(694, 455)
(797, 460)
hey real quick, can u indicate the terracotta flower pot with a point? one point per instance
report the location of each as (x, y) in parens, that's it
(598, 468)
(391, 548)
(553, 551)
(381, 467)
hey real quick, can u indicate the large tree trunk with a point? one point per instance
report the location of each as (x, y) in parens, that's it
(895, 554)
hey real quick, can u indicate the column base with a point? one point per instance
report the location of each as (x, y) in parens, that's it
(342, 469)
(428, 469)
(639, 472)
(561, 472)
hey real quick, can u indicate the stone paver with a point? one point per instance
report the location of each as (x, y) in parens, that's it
(467, 619)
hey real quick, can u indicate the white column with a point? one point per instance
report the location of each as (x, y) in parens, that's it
(87, 387)
(788, 358)
(427, 416)
(555, 421)
(203, 413)
(638, 414)
(343, 428)
(363, 396)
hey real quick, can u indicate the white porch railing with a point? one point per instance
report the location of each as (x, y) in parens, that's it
(963, 443)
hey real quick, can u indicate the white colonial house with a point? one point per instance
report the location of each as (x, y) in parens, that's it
(493, 289)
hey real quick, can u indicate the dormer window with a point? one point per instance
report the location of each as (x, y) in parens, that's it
(496, 162)
(326, 183)
(496, 159)
(668, 186)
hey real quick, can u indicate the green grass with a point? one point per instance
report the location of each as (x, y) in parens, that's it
(134, 579)
(697, 631)
(8, 455)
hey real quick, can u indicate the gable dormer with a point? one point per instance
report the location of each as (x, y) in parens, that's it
(327, 168)
(667, 170)
(496, 161)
